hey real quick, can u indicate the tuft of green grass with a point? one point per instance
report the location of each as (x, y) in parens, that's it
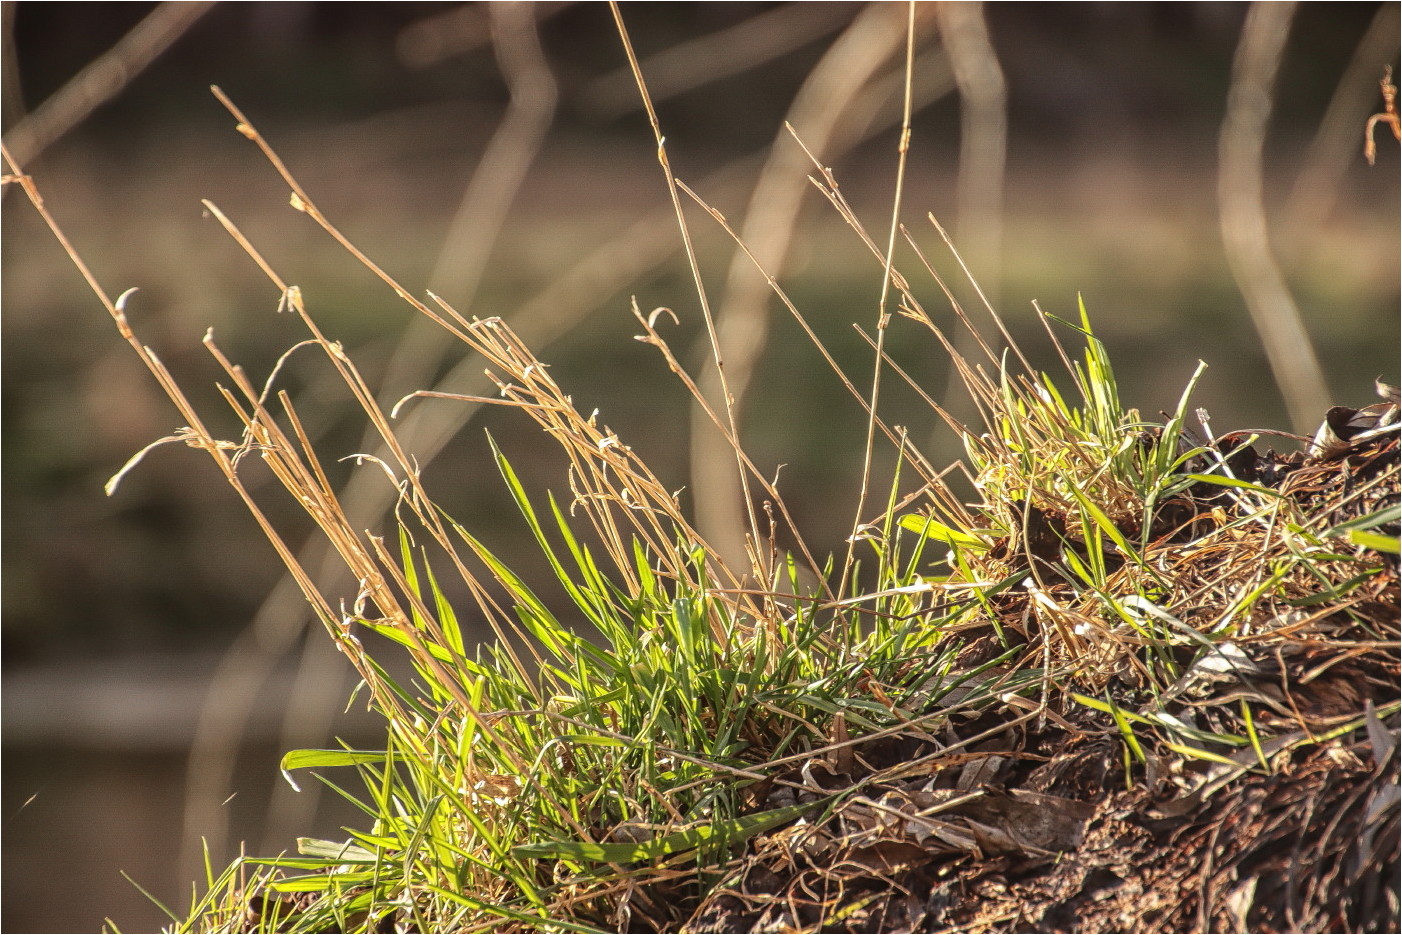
(618, 752)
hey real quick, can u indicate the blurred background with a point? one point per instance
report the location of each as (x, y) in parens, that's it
(1195, 171)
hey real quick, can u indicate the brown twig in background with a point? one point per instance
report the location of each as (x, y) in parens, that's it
(102, 79)
(983, 138)
(457, 273)
(464, 28)
(476, 227)
(1246, 240)
(691, 64)
(10, 87)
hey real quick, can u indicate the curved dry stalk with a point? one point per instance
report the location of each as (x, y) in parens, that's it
(1388, 116)
(652, 337)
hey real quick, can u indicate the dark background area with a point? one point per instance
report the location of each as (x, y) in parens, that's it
(132, 631)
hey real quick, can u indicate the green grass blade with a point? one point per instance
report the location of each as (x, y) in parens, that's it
(729, 832)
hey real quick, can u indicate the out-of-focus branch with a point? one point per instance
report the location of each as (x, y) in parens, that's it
(689, 65)
(475, 227)
(983, 138)
(983, 148)
(1240, 197)
(1335, 143)
(880, 103)
(512, 150)
(460, 30)
(102, 79)
(9, 61)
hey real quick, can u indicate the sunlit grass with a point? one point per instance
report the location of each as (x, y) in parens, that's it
(648, 712)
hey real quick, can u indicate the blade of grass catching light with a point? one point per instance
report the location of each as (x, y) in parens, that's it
(1122, 721)
(303, 759)
(306, 759)
(1375, 541)
(929, 528)
(392, 632)
(1221, 481)
(732, 831)
(156, 902)
(1249, 723)
(1196, 753)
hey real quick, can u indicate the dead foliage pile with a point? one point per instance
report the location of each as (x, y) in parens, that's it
(1043, 821)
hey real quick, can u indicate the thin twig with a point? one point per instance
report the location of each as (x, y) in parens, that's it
(883, 315)
(727, 400)
(769, 227)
